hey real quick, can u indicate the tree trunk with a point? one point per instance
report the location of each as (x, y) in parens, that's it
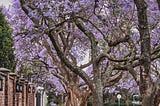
(148, 99)
(77, 97)
(146, 86)
(97, 94)
(127, 99)
(157, 98)
(146, 89)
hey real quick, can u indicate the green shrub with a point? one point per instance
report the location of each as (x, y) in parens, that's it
(112, 104)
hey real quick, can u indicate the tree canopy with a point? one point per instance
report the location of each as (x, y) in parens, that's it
(119, 35)
(6, 44)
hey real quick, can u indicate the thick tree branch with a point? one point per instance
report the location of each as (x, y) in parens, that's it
(144, 32)
(134, 74)
(155, 50)
(86, 65)
(109, 57)
(35, 21)
(112, 80)
(158, 2)
(118, 41)
(60, 77)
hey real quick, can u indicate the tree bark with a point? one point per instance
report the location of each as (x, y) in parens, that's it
(127, 99)
(77, 97)
(158, 2)
(146, 85)
(97, 90)
(97, 95)
(157, 98)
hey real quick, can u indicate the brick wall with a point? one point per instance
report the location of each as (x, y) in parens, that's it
(24, 92)
(19, 98)
(10, 91)
(31, 96)
(2, 93)
(9, 96)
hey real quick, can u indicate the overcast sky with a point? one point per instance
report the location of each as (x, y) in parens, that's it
(5, 3)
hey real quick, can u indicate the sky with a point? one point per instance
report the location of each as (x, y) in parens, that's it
(5, 3)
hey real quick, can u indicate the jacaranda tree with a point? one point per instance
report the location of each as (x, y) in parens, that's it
(119, 35)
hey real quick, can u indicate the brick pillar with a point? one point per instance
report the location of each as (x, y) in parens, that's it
(17, 93)
(2, 93)
(23, 91)
(31, 95)
(26, 97)
(6, 90)
(14, 87)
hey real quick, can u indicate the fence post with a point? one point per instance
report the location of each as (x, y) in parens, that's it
(23, 91)
(26, 84)
(14, 87)
(6, 90)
